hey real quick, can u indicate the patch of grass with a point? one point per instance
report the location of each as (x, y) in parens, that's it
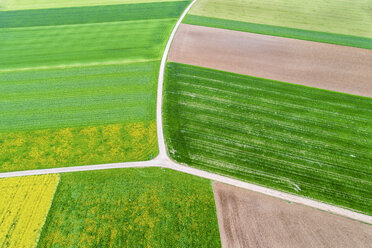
(338, 39)
(81, 96)
(42, 4)
(298, 139)
(91, 14)
(347, 17)
(63, 147)
(149, 207)
(24, 205)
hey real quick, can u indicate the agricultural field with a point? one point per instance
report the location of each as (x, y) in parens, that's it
(41, 4)
(149, 207)
(320, 65)
(343, 22)
(24, 205)
(51, 148)
(302, 140)
(250, 219)
(78, 84)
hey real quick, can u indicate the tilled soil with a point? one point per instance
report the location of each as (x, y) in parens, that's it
(250, 219)
(326, 66)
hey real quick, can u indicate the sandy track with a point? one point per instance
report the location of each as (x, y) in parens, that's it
(327, 66)
(250, 219)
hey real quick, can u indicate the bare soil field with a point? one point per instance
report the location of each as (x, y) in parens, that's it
(250, 219)
(326, 66)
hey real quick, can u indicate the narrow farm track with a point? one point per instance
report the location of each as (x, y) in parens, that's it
(163, 159)
(167, 163)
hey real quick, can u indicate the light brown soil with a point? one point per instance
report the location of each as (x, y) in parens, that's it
(327, 66)
(250, 219)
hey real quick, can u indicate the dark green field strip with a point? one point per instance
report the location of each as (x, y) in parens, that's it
(303, 140)
(264, 86)
(277, 138)
(316, 159)
(149, 207)
(48, 46)
(91, 14)
(258, 115)
(338, 39)
(77, 96)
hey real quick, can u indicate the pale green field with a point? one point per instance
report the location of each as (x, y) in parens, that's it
(44, 4)
(349, 17)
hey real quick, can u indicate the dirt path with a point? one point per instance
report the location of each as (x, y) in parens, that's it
(250, 219)
(159, 101)
(166, 162)
(332, 67)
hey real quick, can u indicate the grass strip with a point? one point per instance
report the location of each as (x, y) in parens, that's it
(46, 4)
(91, 14)
(331, 38)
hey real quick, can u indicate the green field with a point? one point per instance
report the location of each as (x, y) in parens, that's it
(66, 38)
(150, 207)
(78, 85)
(91, 14)
(298, 139)
(343, 22)
(80, 96)
(338, 39)
(41, 4)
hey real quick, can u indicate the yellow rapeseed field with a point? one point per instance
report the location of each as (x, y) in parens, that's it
(24, 205)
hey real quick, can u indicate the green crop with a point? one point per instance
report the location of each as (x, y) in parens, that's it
(83, 44)
(93, 95)
(149, 207)
(47, 4)
(91, 14)
(338, 39)
(347, 17)
(298, 139)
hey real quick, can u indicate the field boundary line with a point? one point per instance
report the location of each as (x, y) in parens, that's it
(140, 164)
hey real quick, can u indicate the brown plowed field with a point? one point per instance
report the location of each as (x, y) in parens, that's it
(250, 219)
(332, 67)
